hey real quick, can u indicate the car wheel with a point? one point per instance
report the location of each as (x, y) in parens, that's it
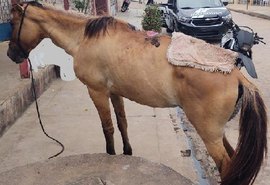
(175, 25)
(169, 30)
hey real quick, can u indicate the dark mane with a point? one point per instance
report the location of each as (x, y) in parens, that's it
(33, 3)
(96, 25)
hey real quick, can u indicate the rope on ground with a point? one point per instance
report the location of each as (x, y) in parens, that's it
(38, 113)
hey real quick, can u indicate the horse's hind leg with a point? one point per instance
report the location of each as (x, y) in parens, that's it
(119, 110)
(212, 136)
(209, 124)
(101, 101)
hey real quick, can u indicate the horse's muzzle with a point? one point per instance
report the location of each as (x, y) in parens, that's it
(15, 54)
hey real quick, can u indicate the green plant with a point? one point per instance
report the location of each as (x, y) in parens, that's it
(80, 5)
(152, 18)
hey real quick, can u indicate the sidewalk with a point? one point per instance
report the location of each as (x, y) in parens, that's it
(69, 115)
(257, 11)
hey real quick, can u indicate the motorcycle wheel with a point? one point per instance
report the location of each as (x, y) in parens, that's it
(123, 8)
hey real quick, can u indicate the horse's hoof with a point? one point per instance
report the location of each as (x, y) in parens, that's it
(128, 151)
(111, 152)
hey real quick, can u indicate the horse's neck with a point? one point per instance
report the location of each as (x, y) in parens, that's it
(65, 30)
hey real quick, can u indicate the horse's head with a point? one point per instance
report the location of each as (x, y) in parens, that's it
(26, 33)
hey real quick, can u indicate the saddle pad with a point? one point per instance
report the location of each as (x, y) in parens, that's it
(188, 51)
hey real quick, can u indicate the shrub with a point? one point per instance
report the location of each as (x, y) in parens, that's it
(152, 18)
(79, 5)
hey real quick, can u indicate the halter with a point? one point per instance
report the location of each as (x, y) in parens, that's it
(19, 34)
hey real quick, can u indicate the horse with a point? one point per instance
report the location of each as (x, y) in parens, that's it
(114, 60)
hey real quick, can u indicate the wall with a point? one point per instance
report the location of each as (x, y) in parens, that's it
(5, 29)
(113, 7)
(104, 7)
(5, 6)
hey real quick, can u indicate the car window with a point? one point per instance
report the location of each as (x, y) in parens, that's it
(189, 4)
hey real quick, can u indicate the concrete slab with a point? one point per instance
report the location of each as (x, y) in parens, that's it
(94, 169)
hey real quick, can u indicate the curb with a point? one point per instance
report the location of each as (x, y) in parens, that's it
(14, 105)
(254, 14)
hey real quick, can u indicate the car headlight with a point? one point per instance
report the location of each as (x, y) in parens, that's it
(227, 17)
(184, 19)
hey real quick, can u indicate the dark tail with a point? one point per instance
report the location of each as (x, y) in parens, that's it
(252, 142)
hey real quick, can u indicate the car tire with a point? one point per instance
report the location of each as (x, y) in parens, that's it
(123, 9)
(169, 30)
(175, 25)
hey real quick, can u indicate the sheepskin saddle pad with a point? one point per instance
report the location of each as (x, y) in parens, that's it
(188, 51)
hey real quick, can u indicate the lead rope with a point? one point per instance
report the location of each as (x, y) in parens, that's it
(34, 88)
(38, 113)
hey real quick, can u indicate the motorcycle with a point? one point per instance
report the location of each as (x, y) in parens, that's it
(241, 39)
(125, 5)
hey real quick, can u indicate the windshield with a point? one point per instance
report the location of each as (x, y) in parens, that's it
(190, 4)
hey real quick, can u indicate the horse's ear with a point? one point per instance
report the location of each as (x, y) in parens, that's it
(17, 8)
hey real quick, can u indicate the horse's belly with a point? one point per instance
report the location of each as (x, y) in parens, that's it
(151, 96)
(152, 101)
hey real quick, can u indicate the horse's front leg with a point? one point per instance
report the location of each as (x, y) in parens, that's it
(101, 101)
(118, 105)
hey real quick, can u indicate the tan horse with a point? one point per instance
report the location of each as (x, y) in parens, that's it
(113, 60)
